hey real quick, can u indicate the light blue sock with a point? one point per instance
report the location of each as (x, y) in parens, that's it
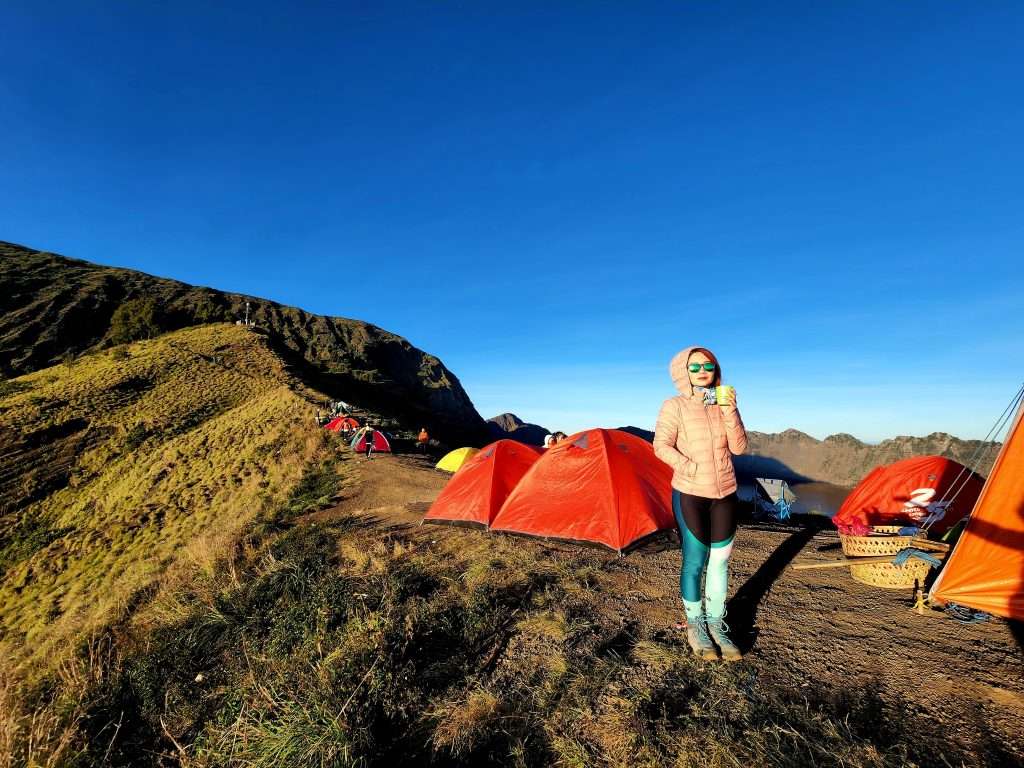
(694, 609)
(716, 585)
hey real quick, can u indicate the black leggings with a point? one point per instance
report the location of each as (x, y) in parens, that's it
(709, 520)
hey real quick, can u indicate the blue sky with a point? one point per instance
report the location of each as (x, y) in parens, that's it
(556, 197)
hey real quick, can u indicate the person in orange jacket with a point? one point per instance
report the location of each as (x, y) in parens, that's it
(422, 440)
(697, 436)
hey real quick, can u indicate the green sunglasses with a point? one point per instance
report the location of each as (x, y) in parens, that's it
(694, 367)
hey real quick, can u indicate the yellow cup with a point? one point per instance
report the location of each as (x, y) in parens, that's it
(724, 394)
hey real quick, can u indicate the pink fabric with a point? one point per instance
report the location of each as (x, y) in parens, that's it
(698, 441)
(854, 529)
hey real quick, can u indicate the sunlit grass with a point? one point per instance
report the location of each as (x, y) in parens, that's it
(202, 433)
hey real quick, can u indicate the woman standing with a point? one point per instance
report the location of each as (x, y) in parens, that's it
(698, 437)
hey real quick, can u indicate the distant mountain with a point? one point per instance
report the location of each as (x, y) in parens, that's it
(508, 426)
(644, 434)
(842, 459)
(52, 307)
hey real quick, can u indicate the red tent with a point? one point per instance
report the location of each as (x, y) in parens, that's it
(986, 569)
(381, 444)
(603, 485)
(342, 424)
(908, 492)
(478, 489)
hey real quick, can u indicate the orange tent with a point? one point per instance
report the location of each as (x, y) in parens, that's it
(910, 492)
(603, 485)
(986, 569)
(342, 424)
(476, 492)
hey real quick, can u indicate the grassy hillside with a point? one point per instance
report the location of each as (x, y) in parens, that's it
(112, 466)
(52, 306)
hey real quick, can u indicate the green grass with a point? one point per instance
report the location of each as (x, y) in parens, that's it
(292, 653)
(11, 387)
(182, 448)
(28, 535)
(317, 488)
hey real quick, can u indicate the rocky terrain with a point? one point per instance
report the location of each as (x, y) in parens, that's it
(52, 308)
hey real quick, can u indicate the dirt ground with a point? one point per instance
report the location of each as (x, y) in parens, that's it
(816, 630)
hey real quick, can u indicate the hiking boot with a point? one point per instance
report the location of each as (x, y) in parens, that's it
(697, 637)
(718, 630)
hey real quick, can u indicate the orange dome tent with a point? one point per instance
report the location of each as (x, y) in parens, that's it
(603, 485)
(908, 492)
(476, 492)
(986, 569)
(342, 424)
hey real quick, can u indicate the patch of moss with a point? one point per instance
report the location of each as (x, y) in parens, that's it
(12, 387)
(29, 535)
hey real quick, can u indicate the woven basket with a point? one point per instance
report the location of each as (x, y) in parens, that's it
(887, 543)
(891, 576)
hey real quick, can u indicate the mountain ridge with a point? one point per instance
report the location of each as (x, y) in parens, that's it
(842, 459)
(53, 306)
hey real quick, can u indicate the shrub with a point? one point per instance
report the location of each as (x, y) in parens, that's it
(135, 437)
(134, 320)
(207, 310)
(8, 387)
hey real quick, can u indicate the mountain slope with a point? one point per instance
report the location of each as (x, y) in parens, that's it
(51, 306)
(112, 466)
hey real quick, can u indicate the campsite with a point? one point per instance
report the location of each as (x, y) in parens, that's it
(542, 385)
(923, 679)
(556, 645)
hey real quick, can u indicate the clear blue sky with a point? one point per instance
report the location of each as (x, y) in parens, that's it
(556, 197)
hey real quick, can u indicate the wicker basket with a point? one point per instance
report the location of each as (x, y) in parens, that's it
(891, 576)
(886, 575)
(888, 543)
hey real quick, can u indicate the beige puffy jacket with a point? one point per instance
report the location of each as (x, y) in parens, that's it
(698, 441)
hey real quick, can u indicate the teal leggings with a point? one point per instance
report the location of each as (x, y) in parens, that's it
(707, 528)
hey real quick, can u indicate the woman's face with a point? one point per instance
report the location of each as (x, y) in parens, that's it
(701, 378)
